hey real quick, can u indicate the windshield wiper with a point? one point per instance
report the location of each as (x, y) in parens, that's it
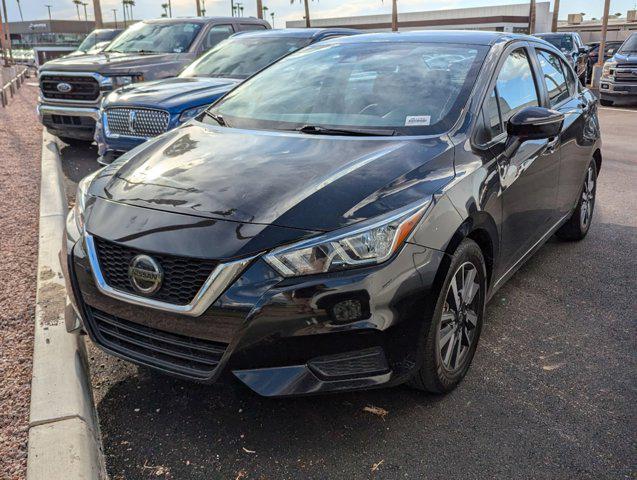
(361, 132)
(217, 118)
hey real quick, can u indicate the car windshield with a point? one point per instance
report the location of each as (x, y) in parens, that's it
(240, 57)
(630, 45)
(93, 38)
(156, 38)
(396, 88)
(563, 42)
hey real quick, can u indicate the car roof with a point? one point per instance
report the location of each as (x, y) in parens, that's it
(206, 20)
(437, 36)
(297, 32)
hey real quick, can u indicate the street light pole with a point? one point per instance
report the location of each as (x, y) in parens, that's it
(198, 8)
(115, 15)
(170, 9)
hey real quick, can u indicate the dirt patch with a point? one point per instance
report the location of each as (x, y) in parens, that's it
(20, 156)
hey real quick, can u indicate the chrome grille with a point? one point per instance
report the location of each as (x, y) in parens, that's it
(626, 73)
(137, 122)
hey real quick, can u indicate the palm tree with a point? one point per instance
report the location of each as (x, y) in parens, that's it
(77, 7)
(165, 7)
(307, 11)
(394, 15)
(20, 10)
(272, 15)
(131, 4)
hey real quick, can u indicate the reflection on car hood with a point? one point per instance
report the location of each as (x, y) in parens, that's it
(171, 93)
(625, 57)
(106, 63)
(287, 179)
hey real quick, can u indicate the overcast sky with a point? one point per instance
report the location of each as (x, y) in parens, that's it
(64, 9)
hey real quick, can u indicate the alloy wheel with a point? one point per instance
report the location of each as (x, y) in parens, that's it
(588, 197)
(457, 328)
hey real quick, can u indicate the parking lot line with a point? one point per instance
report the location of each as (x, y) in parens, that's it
(613, 109)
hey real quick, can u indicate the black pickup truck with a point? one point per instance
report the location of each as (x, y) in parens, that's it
(71, 89)
(619, 76)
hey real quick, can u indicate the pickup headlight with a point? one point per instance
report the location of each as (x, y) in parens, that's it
(191, 113)
(369, 243)
(609, 68)
(123, 80)
(81, 197)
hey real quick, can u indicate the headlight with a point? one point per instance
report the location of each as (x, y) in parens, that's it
(123, 80)
(369, 243)
(81, 196)
(191, 113)
(608, 69)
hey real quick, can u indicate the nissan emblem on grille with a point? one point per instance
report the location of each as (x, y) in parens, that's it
(64, 87)
(145, 274)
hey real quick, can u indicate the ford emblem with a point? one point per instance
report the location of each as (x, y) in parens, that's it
(64, 87)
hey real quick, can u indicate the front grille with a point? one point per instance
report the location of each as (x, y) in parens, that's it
(138, 122)
(626, 73)
(83, 88)
(194, 357)
(183, 277)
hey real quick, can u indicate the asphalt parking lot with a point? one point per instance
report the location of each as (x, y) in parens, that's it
(551, 393)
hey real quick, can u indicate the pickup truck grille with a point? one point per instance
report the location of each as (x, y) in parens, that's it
(67, 87)
(626, 73)
(137, 122)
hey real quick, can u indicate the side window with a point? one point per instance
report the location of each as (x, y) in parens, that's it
(252, 26)
(492, 126)
(216, 34)
(515, 85)
(554, 78)
(571, 81)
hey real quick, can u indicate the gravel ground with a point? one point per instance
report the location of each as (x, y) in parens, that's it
(20, 144)
(550, 395)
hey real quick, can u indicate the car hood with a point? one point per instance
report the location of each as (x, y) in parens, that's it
(625, 57)
(285, 179)
(172, 93)
(106, 63)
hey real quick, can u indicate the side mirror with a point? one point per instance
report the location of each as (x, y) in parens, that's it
(584, 49)
(535, 123)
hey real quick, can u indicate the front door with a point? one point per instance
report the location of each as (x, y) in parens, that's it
(528, 176)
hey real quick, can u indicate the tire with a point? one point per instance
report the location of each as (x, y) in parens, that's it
(606, 103)
(443, 367)
(579, 224)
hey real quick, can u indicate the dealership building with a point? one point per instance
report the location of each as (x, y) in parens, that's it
(501, 18)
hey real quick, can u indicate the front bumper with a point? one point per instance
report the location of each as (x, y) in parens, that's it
(277, 336)
(71, 121)
(611, 89)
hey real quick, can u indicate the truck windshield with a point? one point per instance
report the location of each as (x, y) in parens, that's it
(95, 37)
(563, 42)
(396, 88)
(240, 57)
(630, 45)
(156, 38)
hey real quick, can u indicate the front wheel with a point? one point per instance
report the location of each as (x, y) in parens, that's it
(452, 336)
(606, 103)
(578, 225)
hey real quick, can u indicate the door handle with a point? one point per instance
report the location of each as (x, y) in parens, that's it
(552, 143)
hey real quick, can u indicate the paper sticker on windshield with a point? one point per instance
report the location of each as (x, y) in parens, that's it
(417, 121)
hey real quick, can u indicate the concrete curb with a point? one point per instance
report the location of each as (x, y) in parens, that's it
(64, 437)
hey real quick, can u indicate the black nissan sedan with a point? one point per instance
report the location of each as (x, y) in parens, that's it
(339, 220)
